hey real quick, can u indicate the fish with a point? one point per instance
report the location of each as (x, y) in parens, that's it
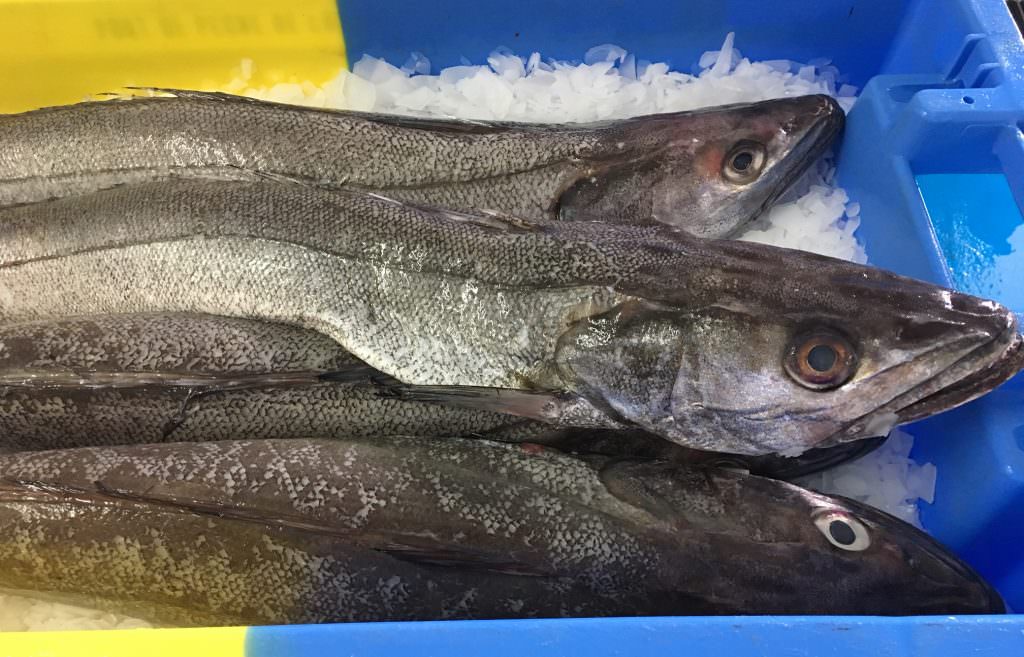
(172, 377)
(716, 345)
(710, 171)
(301, 531)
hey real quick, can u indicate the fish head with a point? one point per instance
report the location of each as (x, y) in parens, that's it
(798, 551)
(755, 350)
(708, 172)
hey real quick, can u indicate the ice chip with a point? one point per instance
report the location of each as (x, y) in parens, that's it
(375, 70)
(607, 52)
(417, 64)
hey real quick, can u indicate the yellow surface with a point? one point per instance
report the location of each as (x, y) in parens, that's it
(54, 52)
(206, 642)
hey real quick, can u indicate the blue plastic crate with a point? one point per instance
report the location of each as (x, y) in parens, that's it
(934, 152)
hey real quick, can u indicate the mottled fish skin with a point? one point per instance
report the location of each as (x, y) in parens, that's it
(576, 323)
(667, 167)
(406, 529)
(148, 378)
(122, 379)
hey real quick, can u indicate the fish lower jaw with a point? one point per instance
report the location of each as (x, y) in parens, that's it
(1003, 365)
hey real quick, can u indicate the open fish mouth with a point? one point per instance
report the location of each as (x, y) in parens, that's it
(958, 384)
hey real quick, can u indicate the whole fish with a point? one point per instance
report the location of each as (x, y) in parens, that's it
(305, 532)
(716, 345)
(147, 378)
(709, 171)
(172, 377)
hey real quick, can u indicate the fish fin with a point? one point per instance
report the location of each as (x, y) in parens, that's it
(447, 125)
(523, 403)
(489, 219)
(450, 125)
(360, 373)
(178, 419)
(287, 179)
(464, 558)
(189, 93)
(484, 218)
(651, 484)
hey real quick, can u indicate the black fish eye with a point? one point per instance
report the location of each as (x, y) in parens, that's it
(744, 162)
(821, 359)
(843, 531)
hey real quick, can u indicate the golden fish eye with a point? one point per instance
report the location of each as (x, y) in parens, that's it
(843, 531)
(821, 359)
(744, 162)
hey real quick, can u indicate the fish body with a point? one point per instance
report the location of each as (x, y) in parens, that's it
(145, 378)
(716, 345)
(709, 172)
(303, 531)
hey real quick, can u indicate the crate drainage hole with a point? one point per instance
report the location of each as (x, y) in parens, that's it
(969, 100)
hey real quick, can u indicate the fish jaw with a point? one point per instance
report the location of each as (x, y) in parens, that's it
(957, 588)
(974, 375)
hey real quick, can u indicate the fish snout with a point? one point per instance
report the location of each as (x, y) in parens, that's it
(817, 124)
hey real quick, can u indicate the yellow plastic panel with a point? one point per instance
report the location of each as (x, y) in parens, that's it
(203, 642)
(62, 51)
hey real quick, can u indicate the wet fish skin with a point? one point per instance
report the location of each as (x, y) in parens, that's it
(575, 323)
(666, 167)
(315, 531)
(166, 377)
(169, 377)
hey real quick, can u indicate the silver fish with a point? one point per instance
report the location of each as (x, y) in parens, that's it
(305, 532)
(149, 378)
(716, 345)
(709, 172)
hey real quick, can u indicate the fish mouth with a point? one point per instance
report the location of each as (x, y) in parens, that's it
(983, 599)
(961, 382)
(1003, 368)
(828, 123)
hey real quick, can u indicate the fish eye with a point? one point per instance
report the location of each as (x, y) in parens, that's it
(821, 359)
(843, 531)
(744, 162)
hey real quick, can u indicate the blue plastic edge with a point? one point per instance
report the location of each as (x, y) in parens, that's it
(857, 35)
(837, 636)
